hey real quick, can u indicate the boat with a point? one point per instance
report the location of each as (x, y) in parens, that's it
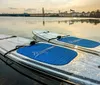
(58, 62)
(67, 41)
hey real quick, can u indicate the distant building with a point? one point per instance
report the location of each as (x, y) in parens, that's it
(78, 14)
(87, 14)
(43, 12)
(64, 14)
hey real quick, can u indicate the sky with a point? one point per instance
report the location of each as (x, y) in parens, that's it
(35, 6)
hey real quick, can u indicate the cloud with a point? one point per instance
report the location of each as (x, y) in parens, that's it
(12, 8)
(30, 9)
(32, 5)
(80, 5)
(84, 2)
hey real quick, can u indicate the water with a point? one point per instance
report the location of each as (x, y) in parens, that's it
(22, 26)
(8, 76)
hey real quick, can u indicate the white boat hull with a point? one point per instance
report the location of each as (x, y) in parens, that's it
(47, 36)
(84, 69)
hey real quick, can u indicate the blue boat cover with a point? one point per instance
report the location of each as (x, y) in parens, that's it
(48, 53)
(80, 42)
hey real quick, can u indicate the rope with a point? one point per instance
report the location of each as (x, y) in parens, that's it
(7, 37)
(19, 46)
(58, 37)
(46, 32)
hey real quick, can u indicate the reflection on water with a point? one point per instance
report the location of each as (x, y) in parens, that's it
(23, 26)
(91, 21)
(70, 22)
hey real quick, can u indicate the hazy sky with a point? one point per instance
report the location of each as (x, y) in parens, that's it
(49, 5)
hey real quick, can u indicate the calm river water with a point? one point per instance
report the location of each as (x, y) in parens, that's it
(22, 26)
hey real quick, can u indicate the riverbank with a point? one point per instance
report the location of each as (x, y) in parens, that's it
(81, 15)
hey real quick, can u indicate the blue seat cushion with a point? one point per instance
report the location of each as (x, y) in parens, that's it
(80, 42)
(48, 53)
